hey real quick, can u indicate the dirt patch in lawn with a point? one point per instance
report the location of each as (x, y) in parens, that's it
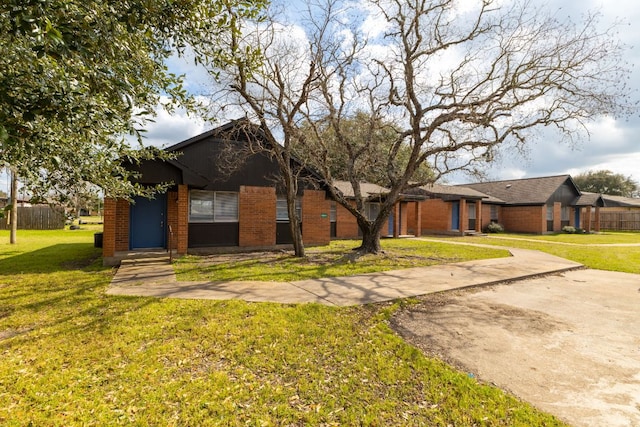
(567, 343)
(319, 258)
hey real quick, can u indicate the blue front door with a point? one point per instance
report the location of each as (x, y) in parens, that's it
(147, 222)
(577, 217)
(455, 216)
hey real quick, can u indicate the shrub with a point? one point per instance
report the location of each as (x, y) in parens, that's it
(569, 229)
(494, 227)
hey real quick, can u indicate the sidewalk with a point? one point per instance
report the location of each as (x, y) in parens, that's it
(154, 277)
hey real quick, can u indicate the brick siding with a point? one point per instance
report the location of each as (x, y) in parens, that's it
(435, 216)
(316, 227)
(257, 216)
(346, 224)
(525, 219)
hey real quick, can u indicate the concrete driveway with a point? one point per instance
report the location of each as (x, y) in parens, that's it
(568, 343)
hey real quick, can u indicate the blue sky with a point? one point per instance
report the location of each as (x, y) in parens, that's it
(613, 144)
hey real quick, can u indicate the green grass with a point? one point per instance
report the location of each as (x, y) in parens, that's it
(71, 355)
(581, 239)
(585, 249)
(334, 260)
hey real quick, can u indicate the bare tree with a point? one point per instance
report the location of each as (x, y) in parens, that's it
(458, 83)
(456, 80)
(273, 91)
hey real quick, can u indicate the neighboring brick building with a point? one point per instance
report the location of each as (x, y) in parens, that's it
(532, 205)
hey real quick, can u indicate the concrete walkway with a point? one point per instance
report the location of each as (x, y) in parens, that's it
(154, 277)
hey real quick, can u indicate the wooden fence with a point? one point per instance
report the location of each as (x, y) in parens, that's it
(619, 221)
(39, 217)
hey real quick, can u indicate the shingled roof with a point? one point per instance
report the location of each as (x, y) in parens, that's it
(453, 192)
(528, 191)
(589, 199)
(368, 189)
(616, 201)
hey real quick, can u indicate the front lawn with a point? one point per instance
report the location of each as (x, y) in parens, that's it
(589, 249)
(71, 355)
(334, 260)
(606, 238)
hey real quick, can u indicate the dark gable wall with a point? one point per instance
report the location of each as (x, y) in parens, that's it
(203, 158)
(157, 172)
(198, 165)
(565, 194)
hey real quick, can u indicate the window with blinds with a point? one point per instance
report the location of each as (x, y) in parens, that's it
(282, 214)
(372, 210)
(225, 207)
(212, 206)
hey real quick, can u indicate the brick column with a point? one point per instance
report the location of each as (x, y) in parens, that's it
(418, 226)
(122, 225)
(404, 210)
(557, 216)
(464, 217)
(587, 220)
(181, 233)
(257, 216)
(172, 219)
(596, 226)
(109, 228)
(396, 219)
(479, 216)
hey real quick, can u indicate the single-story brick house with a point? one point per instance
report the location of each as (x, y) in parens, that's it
(531, 205)
(210, 206)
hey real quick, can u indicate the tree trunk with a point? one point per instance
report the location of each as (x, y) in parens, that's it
(13, 215)
(294, 224)
(370, 239)
(296, 234)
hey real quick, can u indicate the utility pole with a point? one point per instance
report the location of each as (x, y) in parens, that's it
(13, 218)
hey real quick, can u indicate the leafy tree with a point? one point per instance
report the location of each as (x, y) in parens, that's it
(78, 75)
(364, 156)
(606, 182)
